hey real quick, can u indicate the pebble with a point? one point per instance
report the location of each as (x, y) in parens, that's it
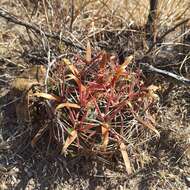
(187, 180)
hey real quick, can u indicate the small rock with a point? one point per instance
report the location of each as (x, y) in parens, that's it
(187, 180)
(3, 186)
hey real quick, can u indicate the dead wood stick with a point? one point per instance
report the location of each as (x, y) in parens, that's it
(166, 33)
(167, 73)
(9, 17)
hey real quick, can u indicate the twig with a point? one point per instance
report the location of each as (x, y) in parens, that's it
(3, 59)
(167, 73)
(11, 102)
(5, 14)
(166, 33)
(49, 68)
(46, 15)
(151, 21)
(72, 15)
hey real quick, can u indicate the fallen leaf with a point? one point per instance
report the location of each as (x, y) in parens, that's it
(105, 136)
(21, 85)
(79, 83)
(123, 150)
(121, 69)
(72, 136)
(127, 61)
(71, 67)
(36, 72)
(88, 52)
(47, 96)
(38, 135)
(152, 92)
(67, 105)
(154, 88)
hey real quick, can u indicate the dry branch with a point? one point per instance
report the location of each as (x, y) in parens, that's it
(166, 33)
(167, 73)
(9, 17)
(151, 22)
(5, 14)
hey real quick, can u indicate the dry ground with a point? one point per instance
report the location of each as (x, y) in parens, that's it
(165, 162)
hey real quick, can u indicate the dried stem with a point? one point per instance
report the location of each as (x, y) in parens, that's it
(5, 14)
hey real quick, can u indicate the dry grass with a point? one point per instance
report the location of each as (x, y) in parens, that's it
(117, 27)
